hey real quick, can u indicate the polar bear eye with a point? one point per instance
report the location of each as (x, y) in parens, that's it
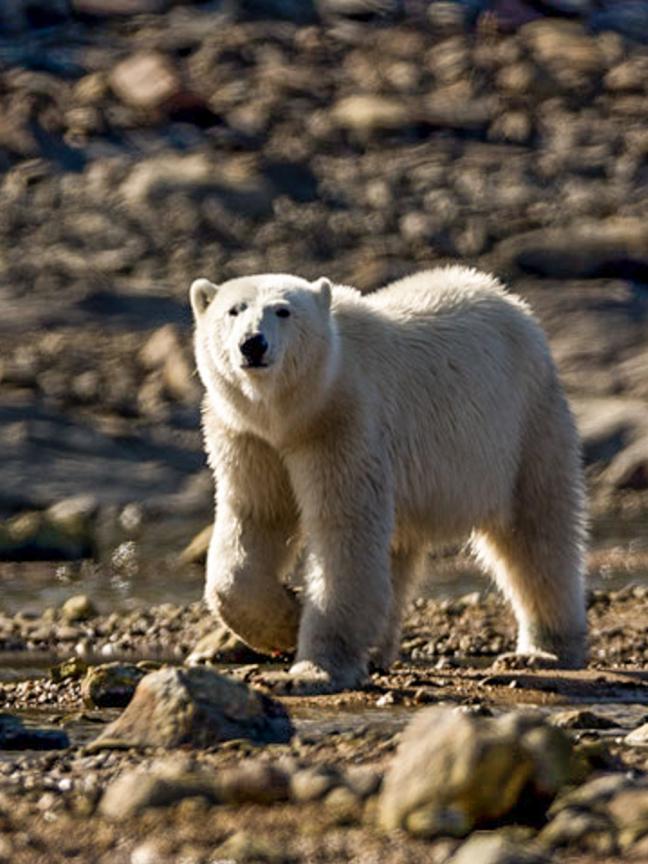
(241, 307)
(283, 313)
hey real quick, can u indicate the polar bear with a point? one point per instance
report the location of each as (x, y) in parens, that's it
(369, 429)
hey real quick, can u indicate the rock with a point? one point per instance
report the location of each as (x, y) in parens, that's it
(176, 707)
(490, 848)
(453, 772)
(365, 115)
(628, 17)
(629, 75)
(168, 781)
(629, 811)
(638, 736)
(313, 783)
(608, 425)
(234, 185)
(581, 719)
(74, 668)
(363, 780)
(111, 685)
(588, 249)
(31, 535)
(14, 735)
(163, 350)
(222, 646)
(145, 80)
(448, 19)
(163, 783)
(455, 107)
(591, 795)
(573, 828)
(20, 15)
(195, 552)
(297, 11)
(117, 8)
(78, 608)
(74, 517)
(565, 49)
(253, 782)
(629, 470)
(248, 846)
(359, 9)
(343, 805)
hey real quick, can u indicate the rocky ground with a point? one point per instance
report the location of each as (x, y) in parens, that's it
(140, 151)
(317, 796)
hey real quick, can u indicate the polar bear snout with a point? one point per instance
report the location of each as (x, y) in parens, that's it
(254, 349)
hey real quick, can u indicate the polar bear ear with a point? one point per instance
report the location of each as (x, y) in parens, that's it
(322, 288)
(201, 293)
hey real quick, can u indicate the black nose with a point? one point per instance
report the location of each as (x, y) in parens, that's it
(254, 348)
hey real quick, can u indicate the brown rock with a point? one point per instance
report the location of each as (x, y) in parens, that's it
(109, 8)
(569, 53)
(163, 350)
(222, 646)
(453, 771)
(629, 470)
(367, 114)
(145, 80)
(490, 848)
(111, 685)
(195, 552)
(174, 707)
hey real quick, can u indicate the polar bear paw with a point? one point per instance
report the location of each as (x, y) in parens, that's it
(306, 678)
(512, 661)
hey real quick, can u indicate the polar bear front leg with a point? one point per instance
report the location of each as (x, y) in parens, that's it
(346, 507)
(255, 541)
(244, 563)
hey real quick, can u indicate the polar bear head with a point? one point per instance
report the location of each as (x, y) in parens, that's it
(258, 334)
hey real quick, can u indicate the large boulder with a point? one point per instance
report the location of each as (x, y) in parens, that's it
(111, 685)
(168, 781)
(454, 771)
(14, 735)
(178, 706)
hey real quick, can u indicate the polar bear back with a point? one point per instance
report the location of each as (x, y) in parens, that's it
(452, 370)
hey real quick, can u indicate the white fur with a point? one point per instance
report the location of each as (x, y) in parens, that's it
(383, 425)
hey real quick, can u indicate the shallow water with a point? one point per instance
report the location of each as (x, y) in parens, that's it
(148, 572)
(319, 723)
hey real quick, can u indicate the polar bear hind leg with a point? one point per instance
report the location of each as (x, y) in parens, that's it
(406, 566)
(537, 558)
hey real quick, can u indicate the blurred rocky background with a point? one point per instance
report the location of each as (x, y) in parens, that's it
(144, 143)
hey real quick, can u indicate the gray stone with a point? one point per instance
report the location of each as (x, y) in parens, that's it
(195, 552)
(490, 848)
(571, 828)
(145, 80)
(163, 783)
(364, 115)
(565, 49)
(222, 646)
(118, 8)
(629, 470)
(78, 608)
(453, 771)
(577, 718)
(175, 707)
(638, 737)
(14, 735)
(312, 783)
(168, 781)
(111, 685)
